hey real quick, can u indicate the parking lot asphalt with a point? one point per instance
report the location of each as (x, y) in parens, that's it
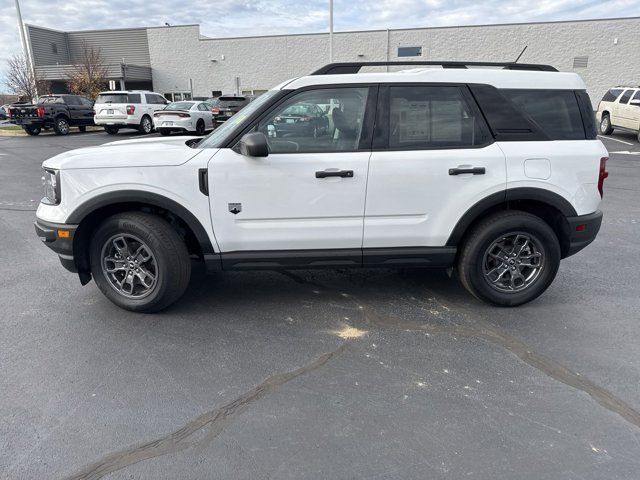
(361, 374)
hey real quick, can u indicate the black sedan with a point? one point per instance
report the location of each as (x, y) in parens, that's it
(301, 120)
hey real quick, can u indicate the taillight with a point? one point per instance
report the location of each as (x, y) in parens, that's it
(184, 115)
(131, 109)
(40, 112)
(215, 110)
(602, 175)
(9, 111)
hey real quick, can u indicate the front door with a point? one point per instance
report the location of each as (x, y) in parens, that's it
(305, 200)
(433, 159)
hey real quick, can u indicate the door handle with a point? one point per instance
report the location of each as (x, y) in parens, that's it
(335, 173)
(472, 170)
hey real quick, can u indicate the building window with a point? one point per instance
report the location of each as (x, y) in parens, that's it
(177, 96)
(54, 48)
(409, 51)
(580, 62)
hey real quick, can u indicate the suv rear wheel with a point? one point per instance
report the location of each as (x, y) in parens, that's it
(509, 258)
(61, 126)
(145, 125)
(605, 125)
(111, 130)
(139, 262)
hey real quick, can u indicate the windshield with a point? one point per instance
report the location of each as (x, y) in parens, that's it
(219, 135)
(179, 106)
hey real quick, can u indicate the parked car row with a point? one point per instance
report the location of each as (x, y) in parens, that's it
(116, 110)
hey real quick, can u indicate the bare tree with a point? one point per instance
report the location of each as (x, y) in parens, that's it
(89, 76)
(22, 81)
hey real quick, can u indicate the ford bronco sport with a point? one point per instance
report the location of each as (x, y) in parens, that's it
(493, 170)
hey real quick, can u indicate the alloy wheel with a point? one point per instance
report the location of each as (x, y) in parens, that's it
(146, 125)
(129, 265)
(63, 126)
(513, 262)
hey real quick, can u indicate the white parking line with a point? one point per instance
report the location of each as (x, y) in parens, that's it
(615, 140)
(626, 152)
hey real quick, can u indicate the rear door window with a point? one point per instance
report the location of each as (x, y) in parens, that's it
(431, 117)
(626, 96)
(556, 112)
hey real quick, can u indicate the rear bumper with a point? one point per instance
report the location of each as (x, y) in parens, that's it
(582, 230)
(115, 121)
(30, 122)
(52, 234)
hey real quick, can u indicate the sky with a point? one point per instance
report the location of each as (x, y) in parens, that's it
(220, 18)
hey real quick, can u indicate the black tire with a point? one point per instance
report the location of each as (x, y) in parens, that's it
(168, 252)
(200, 128)
(165, 133)
(146, 125)
(33, 131)
(82, 128)
(112, 130)
(605, 124)
(61, 126)
(474, 260)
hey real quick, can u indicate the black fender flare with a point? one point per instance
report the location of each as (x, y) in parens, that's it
(524, 193)
(138, 196)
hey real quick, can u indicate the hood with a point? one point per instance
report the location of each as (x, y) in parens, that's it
(147, 152)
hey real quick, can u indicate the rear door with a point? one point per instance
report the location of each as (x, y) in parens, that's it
(306, 198)
(433, 158)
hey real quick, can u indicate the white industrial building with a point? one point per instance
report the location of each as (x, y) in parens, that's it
(179, 61)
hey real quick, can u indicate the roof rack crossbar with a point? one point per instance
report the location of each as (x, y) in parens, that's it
(354, 67)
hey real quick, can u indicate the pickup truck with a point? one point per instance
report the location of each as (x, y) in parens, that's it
(59, 112)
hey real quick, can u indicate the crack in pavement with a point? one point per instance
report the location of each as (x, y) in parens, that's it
(211, 423)
(489, 333)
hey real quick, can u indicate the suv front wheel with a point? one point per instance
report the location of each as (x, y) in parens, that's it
(139, 262)
(510, 258)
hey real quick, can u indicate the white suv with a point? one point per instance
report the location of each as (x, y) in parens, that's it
(495, 171)
(620, 109)
(127, 109)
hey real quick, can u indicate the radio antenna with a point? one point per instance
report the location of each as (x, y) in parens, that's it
(525, 47)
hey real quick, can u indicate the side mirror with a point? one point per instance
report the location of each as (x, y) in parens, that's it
(254, 145)
(635, 102)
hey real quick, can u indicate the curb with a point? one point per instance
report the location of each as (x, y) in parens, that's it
(22, 133)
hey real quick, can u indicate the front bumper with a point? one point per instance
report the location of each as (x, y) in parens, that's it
(59, 238)
(582, 230)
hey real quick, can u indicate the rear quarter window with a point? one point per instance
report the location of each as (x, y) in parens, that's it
(556, 112)
(611, 95)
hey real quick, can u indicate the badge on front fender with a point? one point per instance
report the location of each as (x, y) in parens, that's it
(235, 208)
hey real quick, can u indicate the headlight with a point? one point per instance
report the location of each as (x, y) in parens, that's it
(51, 183)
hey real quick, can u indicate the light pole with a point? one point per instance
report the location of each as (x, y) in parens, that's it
(330, 31)
(25, 49)
(21, 28)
